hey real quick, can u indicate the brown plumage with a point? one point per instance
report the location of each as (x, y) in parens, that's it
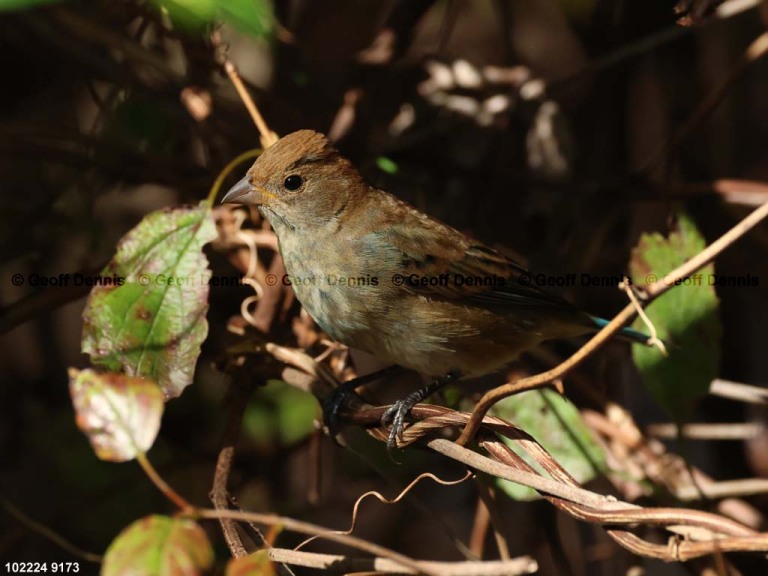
(471, 314)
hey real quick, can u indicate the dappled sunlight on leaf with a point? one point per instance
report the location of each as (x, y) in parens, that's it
(119, 414)
(159, 546)
(686, 318)
(154, 323)
(557, 425)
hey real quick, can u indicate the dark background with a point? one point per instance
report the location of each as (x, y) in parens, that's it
(94, 135)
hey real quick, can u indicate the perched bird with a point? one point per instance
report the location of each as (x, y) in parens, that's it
(380, 276)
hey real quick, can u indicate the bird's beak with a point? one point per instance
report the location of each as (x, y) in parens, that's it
(243, 193)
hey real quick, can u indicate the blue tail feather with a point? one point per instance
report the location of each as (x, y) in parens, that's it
(628, 334)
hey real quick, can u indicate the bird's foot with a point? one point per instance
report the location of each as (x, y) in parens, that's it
(345, 395)
(332, 407)
(397, 413)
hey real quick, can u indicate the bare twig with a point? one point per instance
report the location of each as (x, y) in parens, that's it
(219, 494)
(653, 291)
(267, 136)
(161, 484)
(704, 532)
(738, 391)
(403, 493)
(487, 501)
(745, 192)
(654, 339)
(47, 533)
(345, 564)
(724, 489)
(708, 431)
(314, 530)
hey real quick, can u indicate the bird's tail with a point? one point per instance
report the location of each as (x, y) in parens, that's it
(627, 334)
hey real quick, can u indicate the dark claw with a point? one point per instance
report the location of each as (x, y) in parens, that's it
(396, 415)
(398, 412)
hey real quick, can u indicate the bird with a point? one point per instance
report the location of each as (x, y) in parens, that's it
(377, 274)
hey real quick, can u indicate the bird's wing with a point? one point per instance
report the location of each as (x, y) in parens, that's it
(477, 274)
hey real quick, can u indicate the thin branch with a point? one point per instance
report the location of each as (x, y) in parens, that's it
(724, 489)
(48, 533)
(314, 530)
(381, 498)
(738, 391)
(219, 495)
(487, 502)
(651, 292)
(345, 564)
(161, 484)
(708, 431)
(267, 136)
(562, 490)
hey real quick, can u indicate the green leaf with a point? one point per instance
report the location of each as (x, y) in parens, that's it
(557, 425)
(253, 17)
(192, 15)
(7, 5)
(159, 546)
(256, 564)
(119, 414)
(686, 318)
(280, 413)
(151, 321)
(386, 165)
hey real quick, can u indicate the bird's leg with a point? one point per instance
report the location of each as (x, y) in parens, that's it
(342, 395)
(399, 410)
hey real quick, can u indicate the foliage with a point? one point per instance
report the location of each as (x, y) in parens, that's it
(119, 414)
(557, 425)
(153, 321)
(100, 130)
(686, 318)
(159, 546)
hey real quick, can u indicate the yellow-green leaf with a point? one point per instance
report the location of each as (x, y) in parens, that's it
(686, 318)
(159, 546)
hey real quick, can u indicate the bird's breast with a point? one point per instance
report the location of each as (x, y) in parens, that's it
(352, 292)
(339, 291)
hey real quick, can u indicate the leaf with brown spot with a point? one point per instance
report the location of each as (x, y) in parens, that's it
(153, 325)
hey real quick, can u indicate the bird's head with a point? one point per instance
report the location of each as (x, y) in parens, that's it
(301, 180)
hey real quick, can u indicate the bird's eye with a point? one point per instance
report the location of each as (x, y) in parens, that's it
(293, 182)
